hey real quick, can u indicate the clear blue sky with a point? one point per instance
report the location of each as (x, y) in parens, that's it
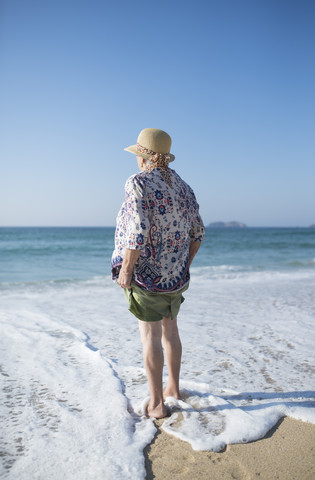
(231, 81)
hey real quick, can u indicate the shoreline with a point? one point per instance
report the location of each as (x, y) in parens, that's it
(286, 452)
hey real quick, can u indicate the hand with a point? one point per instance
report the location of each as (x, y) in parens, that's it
(127, 268)
(124, 279)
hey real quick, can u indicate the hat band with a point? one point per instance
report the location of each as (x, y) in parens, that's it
(153, 155)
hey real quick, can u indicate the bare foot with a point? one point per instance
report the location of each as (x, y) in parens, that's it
(159, 411)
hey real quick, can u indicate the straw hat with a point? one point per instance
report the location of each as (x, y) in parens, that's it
(152, 141)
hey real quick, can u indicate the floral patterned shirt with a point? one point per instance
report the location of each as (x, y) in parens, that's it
(161, 221)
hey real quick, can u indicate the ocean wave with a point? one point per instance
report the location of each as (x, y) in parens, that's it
(301, 269)
(302, 263)
(59, 282)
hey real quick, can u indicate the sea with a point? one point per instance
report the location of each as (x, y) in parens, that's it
(73, 386)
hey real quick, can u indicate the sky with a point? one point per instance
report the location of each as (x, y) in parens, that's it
(231, 81)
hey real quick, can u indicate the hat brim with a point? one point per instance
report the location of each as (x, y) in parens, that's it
(133, 149)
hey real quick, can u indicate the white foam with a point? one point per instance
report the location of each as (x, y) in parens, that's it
(74, 377)
(64, 412)
(210, 422)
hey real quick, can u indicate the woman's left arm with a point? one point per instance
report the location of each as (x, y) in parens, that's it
(126, 271)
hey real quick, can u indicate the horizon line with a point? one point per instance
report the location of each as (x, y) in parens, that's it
(113, 226)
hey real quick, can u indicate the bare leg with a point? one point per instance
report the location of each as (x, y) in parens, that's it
(173, 351)
(151, 333)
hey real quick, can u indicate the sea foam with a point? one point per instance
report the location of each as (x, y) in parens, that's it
(63, 410)
(73, 373)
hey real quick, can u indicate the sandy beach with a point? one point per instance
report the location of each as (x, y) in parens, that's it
(287, 452)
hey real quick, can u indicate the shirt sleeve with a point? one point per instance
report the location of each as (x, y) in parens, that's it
(136, 215)
(197, 231)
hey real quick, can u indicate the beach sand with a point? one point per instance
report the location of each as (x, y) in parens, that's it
(287, 452)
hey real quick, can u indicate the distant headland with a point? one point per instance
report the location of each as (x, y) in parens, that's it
(227, 225)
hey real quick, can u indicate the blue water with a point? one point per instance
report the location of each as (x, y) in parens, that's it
(34, 254)
(37, 254)
(259, 248)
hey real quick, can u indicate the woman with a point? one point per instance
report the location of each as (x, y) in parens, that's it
(158, 233)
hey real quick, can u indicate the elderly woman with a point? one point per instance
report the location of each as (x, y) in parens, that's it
(158, 233)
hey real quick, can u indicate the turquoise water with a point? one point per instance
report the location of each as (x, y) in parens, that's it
(35, 254)
(260, 248)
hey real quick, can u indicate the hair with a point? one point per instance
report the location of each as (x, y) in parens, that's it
(146, 161)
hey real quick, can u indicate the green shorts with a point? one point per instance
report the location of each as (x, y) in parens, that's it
(152, 307)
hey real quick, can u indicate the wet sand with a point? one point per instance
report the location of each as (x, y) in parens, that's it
(287, 452)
